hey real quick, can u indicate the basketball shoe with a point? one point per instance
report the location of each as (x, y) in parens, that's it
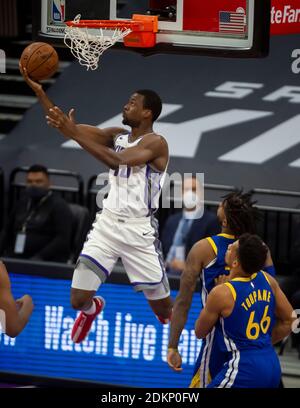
(84, 321)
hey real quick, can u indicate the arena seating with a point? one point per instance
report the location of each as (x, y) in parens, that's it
(67, 183)
(278, 226)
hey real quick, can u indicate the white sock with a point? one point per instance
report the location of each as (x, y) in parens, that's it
(90, 310)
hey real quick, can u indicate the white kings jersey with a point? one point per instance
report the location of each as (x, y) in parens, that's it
(134, 191)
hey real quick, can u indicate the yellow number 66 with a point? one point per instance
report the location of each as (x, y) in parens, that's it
(253, 329)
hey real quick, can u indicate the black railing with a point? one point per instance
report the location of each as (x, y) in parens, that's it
(72, 194)
(273, 192)
(277, 198)
(281, 223)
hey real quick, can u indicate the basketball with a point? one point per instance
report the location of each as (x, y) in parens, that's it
(40, 60)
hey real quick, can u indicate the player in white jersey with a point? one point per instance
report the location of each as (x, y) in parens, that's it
(126, 227)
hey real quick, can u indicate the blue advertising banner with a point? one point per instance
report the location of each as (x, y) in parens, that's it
(126, 346)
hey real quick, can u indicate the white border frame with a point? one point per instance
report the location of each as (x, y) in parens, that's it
(44, 16)
(162, 25)
(171, 32)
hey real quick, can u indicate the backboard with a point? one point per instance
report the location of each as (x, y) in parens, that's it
(238, 28)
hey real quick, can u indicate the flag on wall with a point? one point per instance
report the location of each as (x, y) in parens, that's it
(232, 22)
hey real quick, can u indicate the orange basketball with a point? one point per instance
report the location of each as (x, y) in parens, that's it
(40, 59)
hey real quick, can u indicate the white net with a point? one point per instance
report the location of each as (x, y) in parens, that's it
(87, 47)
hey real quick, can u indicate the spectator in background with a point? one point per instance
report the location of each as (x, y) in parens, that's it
(182, 230)
(39, 226)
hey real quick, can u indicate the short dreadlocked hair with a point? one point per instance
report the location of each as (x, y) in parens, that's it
(240, 213)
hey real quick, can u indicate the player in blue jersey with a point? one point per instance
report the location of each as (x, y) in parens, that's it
(251, 312)
(207, 261)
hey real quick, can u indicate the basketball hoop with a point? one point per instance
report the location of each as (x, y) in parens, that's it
(88, 47)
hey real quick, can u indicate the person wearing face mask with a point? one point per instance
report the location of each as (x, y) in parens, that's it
(39, 227)
(182, 230)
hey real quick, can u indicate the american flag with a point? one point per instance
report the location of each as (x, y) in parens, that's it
(232, 22)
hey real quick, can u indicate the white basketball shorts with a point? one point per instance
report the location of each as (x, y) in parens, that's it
(134, 240)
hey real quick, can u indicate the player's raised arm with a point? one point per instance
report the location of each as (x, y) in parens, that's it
(17, 313)
(66, 123)
(37, 89)
(85, 135)
(194, 264)
(151, 147)
(139, 113)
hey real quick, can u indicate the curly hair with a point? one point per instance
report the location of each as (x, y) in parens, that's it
(240, 212)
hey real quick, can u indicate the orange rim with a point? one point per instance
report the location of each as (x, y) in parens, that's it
(138, 22)
(119, 24)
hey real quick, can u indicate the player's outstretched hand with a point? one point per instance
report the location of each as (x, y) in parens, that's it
(64, 123)
(25, 302)
(35, 86)
(174, 360)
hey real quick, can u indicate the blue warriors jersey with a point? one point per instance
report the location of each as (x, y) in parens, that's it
(217, 267)
(213, 352)
(247, 334)
(251, 321)
(211, 359)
